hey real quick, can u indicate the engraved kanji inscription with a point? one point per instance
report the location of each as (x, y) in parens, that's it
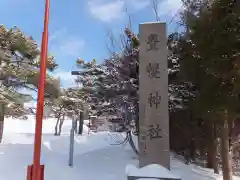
(153, 70)
(154, 99)
(143, 139)
(152, 42)
(154, 132)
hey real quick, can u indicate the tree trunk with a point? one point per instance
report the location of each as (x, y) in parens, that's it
(58, 120)
(1, 121)
(193, 150)
(56, 126)
(60, 125)
(192, 144)
(212, 161)
(77, 123)
(226, 151)
(80, 126)
(212, 156)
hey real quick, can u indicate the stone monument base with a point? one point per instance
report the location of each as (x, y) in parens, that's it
(152, 171)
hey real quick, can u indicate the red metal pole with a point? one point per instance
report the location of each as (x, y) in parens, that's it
(36, 171)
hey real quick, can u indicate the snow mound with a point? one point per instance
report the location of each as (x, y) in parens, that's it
(152, 171)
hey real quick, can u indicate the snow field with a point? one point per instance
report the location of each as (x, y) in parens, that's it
(95, 158)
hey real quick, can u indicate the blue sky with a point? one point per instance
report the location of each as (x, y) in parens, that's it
(78, 28)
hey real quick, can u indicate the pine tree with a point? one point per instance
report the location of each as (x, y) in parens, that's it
(19, 65)
(210, 52)
(116, 81)
(69, 104)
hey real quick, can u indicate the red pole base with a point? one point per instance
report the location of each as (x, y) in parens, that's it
(40, 173)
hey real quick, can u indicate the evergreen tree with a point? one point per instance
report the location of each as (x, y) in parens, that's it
(19, 64)
(116, 81)
(209, 53)
(69, 104)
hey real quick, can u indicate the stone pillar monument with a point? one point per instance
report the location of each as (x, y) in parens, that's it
(153, 91)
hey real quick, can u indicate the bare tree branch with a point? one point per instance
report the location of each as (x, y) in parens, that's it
(155, 4)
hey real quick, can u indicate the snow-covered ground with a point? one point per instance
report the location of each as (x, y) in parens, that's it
(95, 158)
